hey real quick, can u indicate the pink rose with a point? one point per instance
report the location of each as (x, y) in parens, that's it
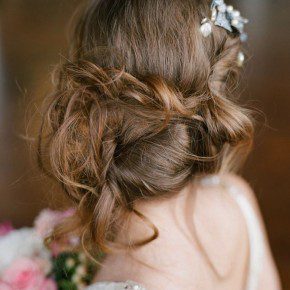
(24, 274)
(5, 228)
(5, 286)
(45, 265)
(48, 285)
(48, 219)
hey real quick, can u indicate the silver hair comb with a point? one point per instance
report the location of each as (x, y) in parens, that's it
(224, 16)
(227, 17)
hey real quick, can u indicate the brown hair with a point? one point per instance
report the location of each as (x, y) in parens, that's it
(143, 104)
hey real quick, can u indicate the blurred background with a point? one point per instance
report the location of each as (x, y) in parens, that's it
(32, 40)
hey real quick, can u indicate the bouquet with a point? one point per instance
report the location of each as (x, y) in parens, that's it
(26, 264)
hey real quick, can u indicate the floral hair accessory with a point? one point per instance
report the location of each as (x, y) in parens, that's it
(224, 16)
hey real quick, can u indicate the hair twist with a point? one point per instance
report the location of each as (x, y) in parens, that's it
(113, 134)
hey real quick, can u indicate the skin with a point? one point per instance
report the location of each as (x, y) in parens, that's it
(202, 243)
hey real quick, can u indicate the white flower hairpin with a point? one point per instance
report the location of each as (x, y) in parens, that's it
(227, 17)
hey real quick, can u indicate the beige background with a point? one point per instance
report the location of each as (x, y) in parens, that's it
(32, 37)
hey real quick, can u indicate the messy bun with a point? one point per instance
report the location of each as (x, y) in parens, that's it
(138, 110)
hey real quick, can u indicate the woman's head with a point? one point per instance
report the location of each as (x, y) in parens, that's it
(142, 105)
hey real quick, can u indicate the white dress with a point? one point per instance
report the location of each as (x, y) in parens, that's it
(256, 242)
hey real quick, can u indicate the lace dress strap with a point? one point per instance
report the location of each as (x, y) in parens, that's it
(255, 234)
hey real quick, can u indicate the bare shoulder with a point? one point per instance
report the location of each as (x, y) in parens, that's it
(269, 278)
(244, 188)
(221, 227)
(222, 230)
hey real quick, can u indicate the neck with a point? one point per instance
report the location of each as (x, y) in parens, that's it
(163, 214)
(173, 217)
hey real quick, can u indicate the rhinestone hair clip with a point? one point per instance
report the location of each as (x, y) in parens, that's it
(224, 16)
(227, 17)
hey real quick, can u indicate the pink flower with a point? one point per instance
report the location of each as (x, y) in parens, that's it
(44, 265)
(5, 228)
(45, 223)
(48, 219)
(26, 274)
(5, 286)
(48, 285)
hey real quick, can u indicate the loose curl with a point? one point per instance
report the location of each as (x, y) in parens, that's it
(142, 106)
